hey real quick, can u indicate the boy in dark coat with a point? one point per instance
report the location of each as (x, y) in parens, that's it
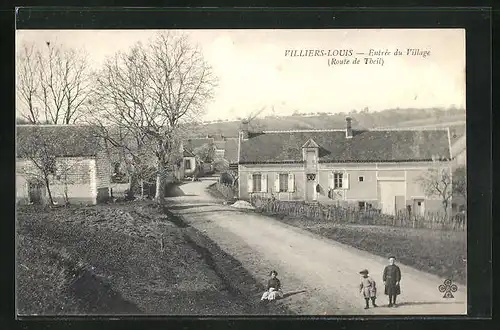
(368, 288)
(391, 278)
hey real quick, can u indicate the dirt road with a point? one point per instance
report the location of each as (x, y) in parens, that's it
(319, 276)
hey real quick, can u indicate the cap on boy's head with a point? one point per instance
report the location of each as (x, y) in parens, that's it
(364, 272)
(273, 272)
(392, 257)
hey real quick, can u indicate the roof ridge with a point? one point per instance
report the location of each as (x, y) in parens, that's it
(403, 129)
(306, 130)
(366, 130)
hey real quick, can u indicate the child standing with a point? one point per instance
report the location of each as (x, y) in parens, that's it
(368, 288)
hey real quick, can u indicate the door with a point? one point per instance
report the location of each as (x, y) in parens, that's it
(391, 196)
(400, 203)
(419, 207)
(36, 192)
(311, 187)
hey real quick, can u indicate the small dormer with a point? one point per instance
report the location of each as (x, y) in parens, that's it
(310, 153)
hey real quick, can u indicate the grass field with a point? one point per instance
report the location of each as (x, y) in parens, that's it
(441, 253)
(391, 118)
(125, 258)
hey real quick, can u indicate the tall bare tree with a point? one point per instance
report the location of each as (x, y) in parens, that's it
(27, 82)
(153, 90)
(53, 82)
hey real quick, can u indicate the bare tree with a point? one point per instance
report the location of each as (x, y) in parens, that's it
(251, 119)
(152, 90)
(437, 182)
(53, 83)
(205, 152)
(460, 182)
(27, 82)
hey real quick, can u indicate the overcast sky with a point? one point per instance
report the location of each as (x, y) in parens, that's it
(254, 72)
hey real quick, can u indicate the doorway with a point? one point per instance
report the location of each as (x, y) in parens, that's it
(311, 187)
(419, 207)
(36, 191)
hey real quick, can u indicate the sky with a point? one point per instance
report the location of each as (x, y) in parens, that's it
(254, 73)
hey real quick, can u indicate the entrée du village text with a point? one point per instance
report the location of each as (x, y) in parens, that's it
(351, 52)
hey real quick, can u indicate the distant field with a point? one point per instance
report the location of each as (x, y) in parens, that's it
(400, 118)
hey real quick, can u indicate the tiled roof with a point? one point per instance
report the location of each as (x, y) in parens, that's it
(364, 146)
(188, 153)
(64, 140)
(231, 150)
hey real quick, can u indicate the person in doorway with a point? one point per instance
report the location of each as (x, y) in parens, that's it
(368, 288)
(391, 278)
(273, 288)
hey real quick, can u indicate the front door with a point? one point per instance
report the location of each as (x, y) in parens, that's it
(419, 207)
(311, 187)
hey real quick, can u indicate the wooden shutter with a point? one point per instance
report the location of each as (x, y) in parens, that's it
(250, 183)
(291, 182)
(331, 180)
(263, 183)
(277, 182)
(345, 179)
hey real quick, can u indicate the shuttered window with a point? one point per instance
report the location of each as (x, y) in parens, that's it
(257, 182)
(283, 182)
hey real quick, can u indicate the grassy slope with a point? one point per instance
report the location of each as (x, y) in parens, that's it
(395, 118)
(112, 260)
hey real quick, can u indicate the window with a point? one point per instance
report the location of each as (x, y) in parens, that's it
(187, 164)
(257, 182)
(361, 178)
(337, 180)
(283, 182)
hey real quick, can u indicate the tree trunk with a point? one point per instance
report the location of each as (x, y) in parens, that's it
(132, 183)
(160, 183)
(47, 184)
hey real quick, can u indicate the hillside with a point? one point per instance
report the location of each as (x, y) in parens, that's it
(393, 118)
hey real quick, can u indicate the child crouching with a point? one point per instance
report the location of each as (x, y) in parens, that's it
(273, 288)
(368, 288)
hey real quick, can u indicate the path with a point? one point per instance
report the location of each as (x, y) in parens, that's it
(325, 269)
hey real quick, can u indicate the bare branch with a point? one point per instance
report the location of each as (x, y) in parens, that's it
(150, 93)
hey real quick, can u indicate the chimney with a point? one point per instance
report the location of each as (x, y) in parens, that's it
(348, 127)
(244, 129)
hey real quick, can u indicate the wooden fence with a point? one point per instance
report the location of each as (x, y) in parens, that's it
(343, 215)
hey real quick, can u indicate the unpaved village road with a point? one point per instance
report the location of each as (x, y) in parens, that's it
(320, 275)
